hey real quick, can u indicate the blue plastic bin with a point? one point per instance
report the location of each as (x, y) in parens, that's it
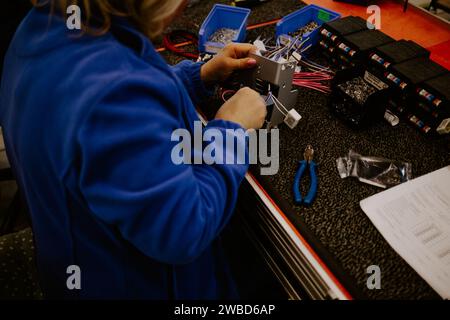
(222, 16)
(302, 17)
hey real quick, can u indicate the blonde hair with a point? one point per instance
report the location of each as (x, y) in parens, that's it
(149, 16)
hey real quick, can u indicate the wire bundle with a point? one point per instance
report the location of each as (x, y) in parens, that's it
(285, 51)
(277, 103)
(315, 77)
(319, 80)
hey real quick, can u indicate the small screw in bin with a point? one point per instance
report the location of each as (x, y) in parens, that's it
(222, 17)
(301, 18)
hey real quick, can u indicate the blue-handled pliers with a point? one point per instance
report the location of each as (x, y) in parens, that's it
(308, 200)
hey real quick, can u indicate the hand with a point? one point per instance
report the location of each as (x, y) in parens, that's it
(233, 57)
(246, 108)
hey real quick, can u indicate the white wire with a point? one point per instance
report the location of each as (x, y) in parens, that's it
(282, 112)
(278, 103)
(271, 96)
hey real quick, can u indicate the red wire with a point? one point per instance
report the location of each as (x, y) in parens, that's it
(313, 80)
(185, 36)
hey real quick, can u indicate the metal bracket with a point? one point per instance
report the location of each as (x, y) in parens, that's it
(279, 76)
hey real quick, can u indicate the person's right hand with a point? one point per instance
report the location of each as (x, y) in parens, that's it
(246, 108)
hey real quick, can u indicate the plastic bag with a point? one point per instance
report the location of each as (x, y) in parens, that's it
(380, 172)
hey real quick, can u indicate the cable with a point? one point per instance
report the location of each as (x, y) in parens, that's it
(185, 36)
(318, 80)
(225, 93)
(277, 103)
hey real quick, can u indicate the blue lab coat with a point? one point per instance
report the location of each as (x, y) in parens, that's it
(87, 123)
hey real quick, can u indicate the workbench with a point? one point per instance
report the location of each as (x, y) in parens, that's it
(333, 236)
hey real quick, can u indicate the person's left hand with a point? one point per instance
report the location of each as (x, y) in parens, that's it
(233, 57)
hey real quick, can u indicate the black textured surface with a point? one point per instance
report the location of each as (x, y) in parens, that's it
(336, 218)
(346, 25)
(440, 86)
(418, 70)
(367, 39)
(401, 50)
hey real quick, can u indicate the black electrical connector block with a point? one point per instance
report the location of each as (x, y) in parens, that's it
(382, 58)
(401, 51)
(404, 79)
(355, 48)
(439, 87)
(407, 75)
(344, 26)
(332, 32)
(430, 104)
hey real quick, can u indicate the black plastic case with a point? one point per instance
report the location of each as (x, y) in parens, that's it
(332, 32)
(382, 58)
(348, 109)
(404, 77)
(355, 48)
(430, 104)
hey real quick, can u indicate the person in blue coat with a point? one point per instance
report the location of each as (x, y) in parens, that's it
(87, 119)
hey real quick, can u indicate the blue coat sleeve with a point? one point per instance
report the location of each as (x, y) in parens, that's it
(189, 73)
(169, 212)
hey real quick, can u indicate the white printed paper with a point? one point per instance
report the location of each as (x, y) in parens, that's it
(414, 218)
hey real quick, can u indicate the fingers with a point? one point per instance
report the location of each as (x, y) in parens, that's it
(249, 92)
(245, 63)
(240, 50)
(246, 107)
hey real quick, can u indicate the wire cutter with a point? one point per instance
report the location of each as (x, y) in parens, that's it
(308, 200)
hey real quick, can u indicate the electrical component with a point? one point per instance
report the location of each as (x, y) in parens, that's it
(354, 49)
(431, 104)
(292, 118)
(382, 58)
(332, 33)
(391, 118)
(272, 79)
(342, 27)
(444, 127)
(284, 49)
(404, 78)
(290, 50)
